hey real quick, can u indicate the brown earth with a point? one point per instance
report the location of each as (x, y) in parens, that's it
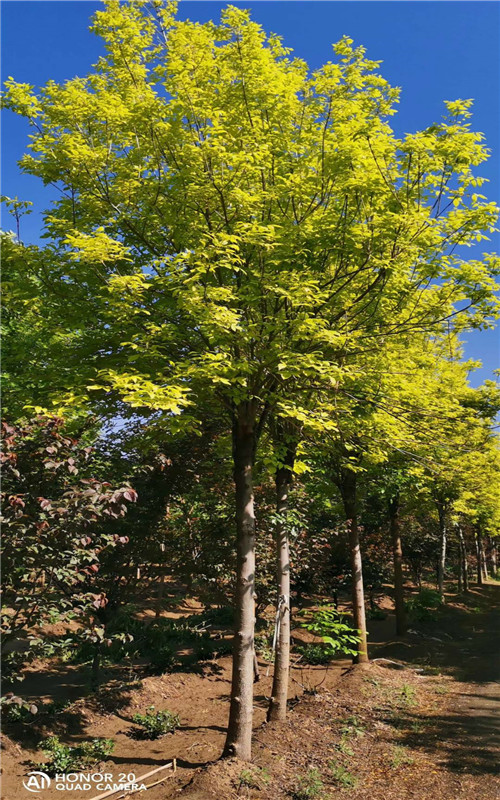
(428, 730)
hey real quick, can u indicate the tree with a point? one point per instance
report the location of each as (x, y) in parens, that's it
(58, 530)
(227, 227)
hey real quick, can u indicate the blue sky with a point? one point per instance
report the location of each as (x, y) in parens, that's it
(434, 51)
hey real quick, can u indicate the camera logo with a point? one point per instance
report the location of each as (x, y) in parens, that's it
(36, 781)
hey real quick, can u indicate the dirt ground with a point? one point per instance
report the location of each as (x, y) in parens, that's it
(425, 727)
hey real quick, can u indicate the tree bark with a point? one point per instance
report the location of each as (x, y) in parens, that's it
(348, 491)
(479, 556)
(463, 560)
(493, 557)
(397, 554)
(279, 691)
(484, 561)
(239, 731)
(442, 549)
(256, 670)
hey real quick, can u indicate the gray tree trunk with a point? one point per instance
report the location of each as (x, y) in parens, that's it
(479, 556)
(397, 552)
(239, 731)
(279, 692)
(349, 497)
(463, 560)
(442, 549)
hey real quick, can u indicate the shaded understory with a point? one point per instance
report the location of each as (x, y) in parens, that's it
(431, 729)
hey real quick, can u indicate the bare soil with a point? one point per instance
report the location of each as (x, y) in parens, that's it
(426, 728)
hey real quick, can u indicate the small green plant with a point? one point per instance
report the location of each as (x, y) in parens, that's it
(255, 778)
(423, 607)
(344, 747)
(157, 723)
(400, 757)
(341, 776)
(338, 637)
(65, 758)
(264, 647)
(310, 787)
(55, 707)
(352, 726)
(407, 695)
(442, 689)
(374, 681)
(429, 670)
(314, 654)
(19, 712)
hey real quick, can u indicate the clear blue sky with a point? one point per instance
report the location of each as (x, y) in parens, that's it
(434, 51)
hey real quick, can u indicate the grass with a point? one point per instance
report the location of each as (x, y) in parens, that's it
(407, 695)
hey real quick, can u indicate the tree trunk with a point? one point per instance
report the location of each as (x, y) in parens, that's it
(348, 491)
(442, 550)
(463, 560)
(479, 556)
(484, 562)
(493, 557)
(397, 555)
(256, 670)
(239, 731)
(279, 692)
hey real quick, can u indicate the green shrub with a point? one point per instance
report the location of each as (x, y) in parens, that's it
(65, 758)
(338, 637)
(314, 654)
(18, 713)
(161, 658)
(55, 707)
(157, 723)
(422, 607)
